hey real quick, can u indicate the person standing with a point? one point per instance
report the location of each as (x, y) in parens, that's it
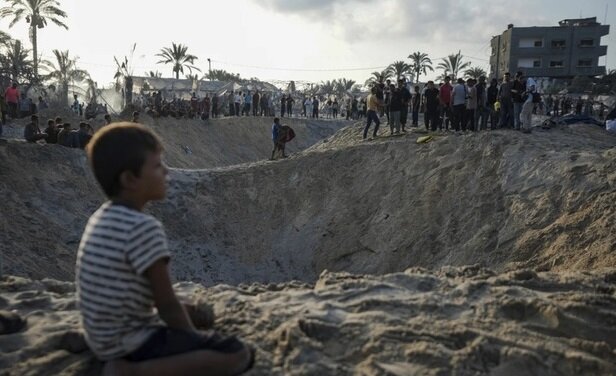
(335, 108)
(11, 96)
(445, 103)
(431, 98)
(395, 106)
(529, 103)
(458, 101)
(255, 103)
(290, 102)
(215, 105)
(237, 101)
(506, 103)
(279, 138)
(315, 107)
(491, 98)
(4, 109)
(247, 103)
(518, 90)
(308, 105)
(482, 112)
(471, 105)
(405, 95)
(283, 105)
(415, 105)
(372, 104)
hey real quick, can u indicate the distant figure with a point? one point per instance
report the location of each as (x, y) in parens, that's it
(32, 132)
(371, 114)
(84, 134)
(406, 100)
(129, 311)
(25, 106)
(107, 119)
(315, 108)
(458, 101)
(529, 104)
(431, 97)
(308, 105)
(444, 98)
(135, 117)
(290, 102)
(75, 106)
(283, 105)
(4, 109)
(247, 103)
(506, 102)
(11, 96)
(279, 139)
(491, 98)
(51, 132)
(255, 103)
(394, 106)
(415, 104)
(237, 100)
(63, 134)
(215, 105)
(42, 104)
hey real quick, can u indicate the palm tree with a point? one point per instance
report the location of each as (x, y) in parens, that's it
(327, 87)
(14, 61)
(4, 37)
(180, 58)
(399, 69)
(453, 64)
(421, 63)
(343, 86)
(474, 72)
(223, 75)
(64, 73)
(154, 74)
(37, 13)
(378, 77)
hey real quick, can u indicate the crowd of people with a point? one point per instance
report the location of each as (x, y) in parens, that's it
(60, 133)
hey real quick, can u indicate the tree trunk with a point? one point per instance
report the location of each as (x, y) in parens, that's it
(64, 95)
(128, 90)
(177, 74)
(34, 47)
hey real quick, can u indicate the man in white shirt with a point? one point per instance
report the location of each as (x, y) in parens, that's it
(527, 108)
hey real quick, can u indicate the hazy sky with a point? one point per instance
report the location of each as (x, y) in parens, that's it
(302, 40)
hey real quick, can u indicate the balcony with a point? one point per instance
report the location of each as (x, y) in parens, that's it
(588, 71)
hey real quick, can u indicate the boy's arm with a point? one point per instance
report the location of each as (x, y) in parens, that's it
(168, 305)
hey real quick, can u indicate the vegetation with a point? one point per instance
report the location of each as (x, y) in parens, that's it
(452, 65)
(223, 75)
(378, 77)
(63, 74)
(420, 63)
(124, 75)
(475, 73)
(37, 14)
(399, 69)
(179, 58)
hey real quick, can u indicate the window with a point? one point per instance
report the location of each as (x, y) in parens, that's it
(557, 64)
(585, 63)
(587, 43)
(531, 43)
(559, 43)
(529, 62)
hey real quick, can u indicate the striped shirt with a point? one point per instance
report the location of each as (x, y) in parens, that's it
(114, 297)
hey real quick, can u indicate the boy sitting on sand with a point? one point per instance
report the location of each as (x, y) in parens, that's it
(122, 271)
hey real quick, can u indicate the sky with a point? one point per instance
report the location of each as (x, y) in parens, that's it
(301, 40)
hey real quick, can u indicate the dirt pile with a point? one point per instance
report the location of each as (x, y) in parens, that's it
(500, 199)
(455, 321)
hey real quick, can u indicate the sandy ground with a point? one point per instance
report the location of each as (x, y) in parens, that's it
(455, 321)
(538, 210)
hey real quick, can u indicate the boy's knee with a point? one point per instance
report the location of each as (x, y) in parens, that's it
(244, 359)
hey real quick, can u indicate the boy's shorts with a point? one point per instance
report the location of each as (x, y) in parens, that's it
(167, 341)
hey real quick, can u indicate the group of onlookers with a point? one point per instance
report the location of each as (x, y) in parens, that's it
(60, 133)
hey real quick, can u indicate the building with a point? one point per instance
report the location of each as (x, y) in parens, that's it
(572, 48)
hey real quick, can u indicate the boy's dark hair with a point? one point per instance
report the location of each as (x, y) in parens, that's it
(276, 120)
(51, 122)
(58, 120)
(117, 148)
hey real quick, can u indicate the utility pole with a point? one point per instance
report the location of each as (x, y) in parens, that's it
(209, 63)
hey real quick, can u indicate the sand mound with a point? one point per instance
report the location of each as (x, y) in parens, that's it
(215, 143)
(455, 321)
(500, 199)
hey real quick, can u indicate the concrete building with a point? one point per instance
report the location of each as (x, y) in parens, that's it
(572, 48)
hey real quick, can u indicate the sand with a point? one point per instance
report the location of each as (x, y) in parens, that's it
(454, 321)
(376, 238)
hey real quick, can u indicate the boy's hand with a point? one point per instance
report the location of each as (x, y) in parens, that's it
(168, 305)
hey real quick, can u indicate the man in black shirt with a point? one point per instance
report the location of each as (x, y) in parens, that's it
(415, 104)
(395, 106)
(431, 100)
(406, 98)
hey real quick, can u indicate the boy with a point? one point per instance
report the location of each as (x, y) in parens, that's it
(122, 271)
(279, 138)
